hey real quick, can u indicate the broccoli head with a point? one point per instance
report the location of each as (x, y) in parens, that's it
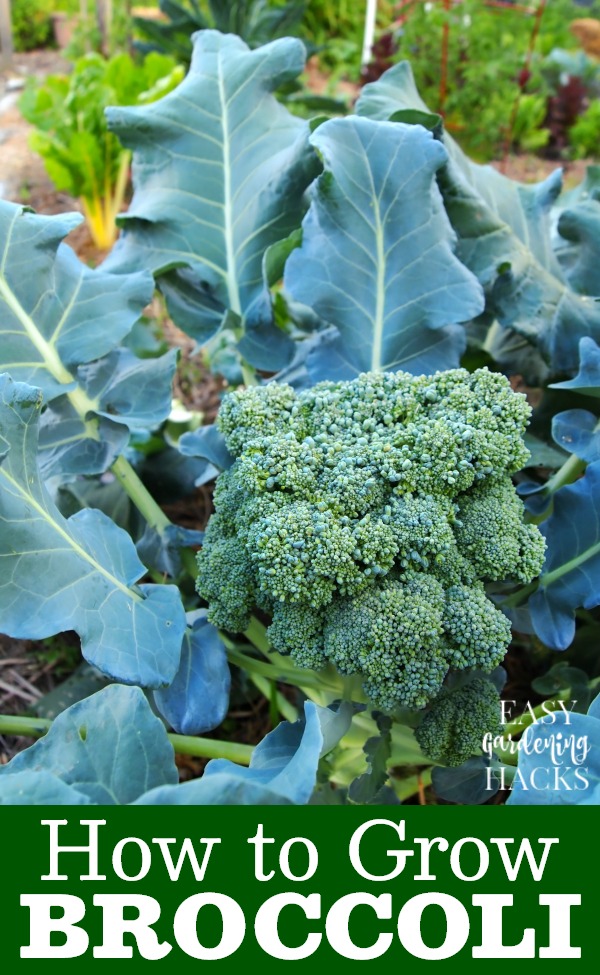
(456, 722)
(365, 517)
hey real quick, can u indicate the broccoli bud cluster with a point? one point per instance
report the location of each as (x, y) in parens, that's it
(455, 725)
(365, 518)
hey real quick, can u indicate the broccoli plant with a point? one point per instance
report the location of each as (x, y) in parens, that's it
(382, 514)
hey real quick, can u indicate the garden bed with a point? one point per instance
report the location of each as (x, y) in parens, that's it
(452, 445)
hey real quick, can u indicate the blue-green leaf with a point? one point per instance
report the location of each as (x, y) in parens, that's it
(207, 443)
(56, 312)
(162, 549)
(578, 432)
(376, 257)
(366, 788)
(470, 784)
(587, 380)
(283, 770)
(80, 573)
(60, 326)
(109, 747)
(220, 168)
(580, 226)
(571, 573)
(504, 238)
(66, 446)
(197, 699)
(128, 394)
(38, 788)
(572, 777)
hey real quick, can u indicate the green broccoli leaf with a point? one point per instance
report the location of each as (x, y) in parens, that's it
(503, 238)
(376, 257)
(232, 166)
(80, 574)
(75, 752)
(367, 788)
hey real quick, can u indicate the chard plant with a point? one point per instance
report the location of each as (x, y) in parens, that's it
(81, 156)
(383, 511)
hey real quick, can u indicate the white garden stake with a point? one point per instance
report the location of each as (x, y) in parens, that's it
(370, 18)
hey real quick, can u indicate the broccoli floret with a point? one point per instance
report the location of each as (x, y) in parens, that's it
(261, 411)
(298, 630)
(456, 722)
(490, 533)
(279, 462)
(227, 579)
(422, 527)
(364, 518)
(391, 635)
(479, 633)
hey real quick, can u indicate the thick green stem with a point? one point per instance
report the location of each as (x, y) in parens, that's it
(406, 788)
(249, 374)
(148, 508)
(212, 748)
(139, 494)
(183, 744)
(520, 596)
(302, 679)
(569, 472)
(257, 635)
(509, 759)
(318, 686)
(16, 724)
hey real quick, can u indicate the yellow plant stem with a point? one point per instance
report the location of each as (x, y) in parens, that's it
(101, 212)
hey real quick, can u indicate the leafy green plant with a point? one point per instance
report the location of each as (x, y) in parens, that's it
(255, 21)
(81, 156)
(485, 67)
(112, 750)
(30, 21)
(336, 28)
(363, 296)
(584, 135)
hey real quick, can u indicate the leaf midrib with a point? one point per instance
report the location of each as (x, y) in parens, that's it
(232, 288)
(77, 549)
(49, 355)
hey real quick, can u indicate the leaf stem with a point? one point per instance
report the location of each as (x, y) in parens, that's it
(183, 744)
(139, 494)
(148, 508)
(257, 635)
(569, 472)
(269, 690)
(235, 751)
(292, 675)
(316, 685)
